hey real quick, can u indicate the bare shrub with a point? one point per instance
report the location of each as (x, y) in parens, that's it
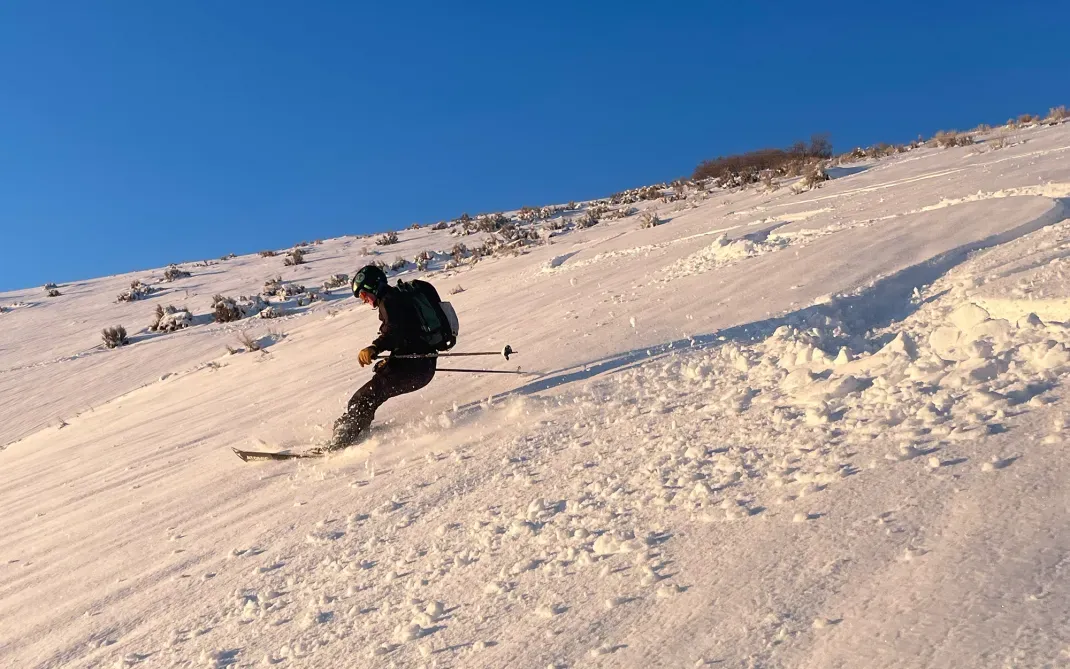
(366, 251)
(744, 168)
(767, 180)
(267, 254)
(50, 286)
(491, 222)
(294, 257)
(229, 256)
(247, 341)
(1026, 119)
(999, 141)
(173, 273)
(459, 252)
(398, 264)
(649, 219)
(456, 289)
(114, 337)
(949, 139)
(1057, 115)
(441, 225)
(387, 239)
(169, 319)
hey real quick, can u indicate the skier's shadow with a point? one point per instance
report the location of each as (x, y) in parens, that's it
(622, 361)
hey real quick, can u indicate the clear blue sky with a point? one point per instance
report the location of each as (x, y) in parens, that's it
(135, 133)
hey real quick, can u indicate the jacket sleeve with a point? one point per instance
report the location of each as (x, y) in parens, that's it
(387, 339)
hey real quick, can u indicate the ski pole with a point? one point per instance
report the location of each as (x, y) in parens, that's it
(485, 371)
(507, 351)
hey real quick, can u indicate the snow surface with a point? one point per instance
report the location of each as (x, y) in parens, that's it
(824, 429)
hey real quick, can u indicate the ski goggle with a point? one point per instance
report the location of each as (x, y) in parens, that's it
(358, 286)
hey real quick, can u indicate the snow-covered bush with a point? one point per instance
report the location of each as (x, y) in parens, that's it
(50, 286)
(422, 259)
(173, 272)
(137, 291)
(229, 256)
(528, 214)
(225, 309)
(491, 222)
(276, 287)
(813, 178)
(456, 289)
(169, 319)
(308, 297)
(590, 218)
(114, 337)
(267, 254)
(649, 219)
(52, 292)
(294, 257)
(387, 239)
(622, 212)
(414, 226)
(459, 252)
(335, 281)
(441, 225)
(398, 264)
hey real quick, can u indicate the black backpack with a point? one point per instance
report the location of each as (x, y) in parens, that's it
(436, 329)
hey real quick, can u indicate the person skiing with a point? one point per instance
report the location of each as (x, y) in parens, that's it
(413, 322)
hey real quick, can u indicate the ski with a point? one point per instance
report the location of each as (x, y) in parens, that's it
(246, 456)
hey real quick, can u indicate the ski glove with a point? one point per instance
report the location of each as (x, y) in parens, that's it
(367, 354)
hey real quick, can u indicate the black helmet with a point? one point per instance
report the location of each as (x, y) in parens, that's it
(370, 278)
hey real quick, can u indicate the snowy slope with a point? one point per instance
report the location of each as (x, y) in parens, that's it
(782, 430)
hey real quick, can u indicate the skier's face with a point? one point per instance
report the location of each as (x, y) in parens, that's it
(367, 298)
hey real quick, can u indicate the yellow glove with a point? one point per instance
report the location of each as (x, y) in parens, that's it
(367, 354)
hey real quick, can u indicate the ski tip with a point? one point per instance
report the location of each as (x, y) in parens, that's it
(239, 454)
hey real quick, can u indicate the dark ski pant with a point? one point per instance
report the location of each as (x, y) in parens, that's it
(395, 377)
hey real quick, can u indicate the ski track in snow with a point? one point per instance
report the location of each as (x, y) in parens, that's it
(793, 491)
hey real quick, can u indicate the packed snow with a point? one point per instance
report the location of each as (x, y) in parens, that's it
(782, 429)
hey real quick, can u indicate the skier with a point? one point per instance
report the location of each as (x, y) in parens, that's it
(413, 322)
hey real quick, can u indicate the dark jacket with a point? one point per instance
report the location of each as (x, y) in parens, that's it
(400, 329)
